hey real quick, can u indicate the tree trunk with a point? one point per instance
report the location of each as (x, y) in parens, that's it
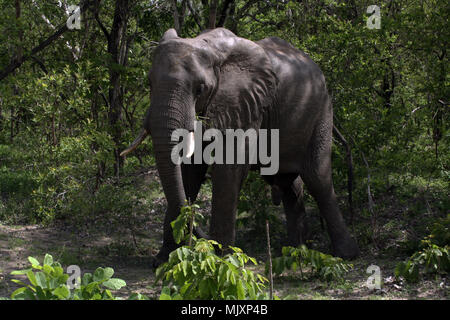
(1, 114)
(226, 9)
(117, 48)
(176, 17)
(212, 14)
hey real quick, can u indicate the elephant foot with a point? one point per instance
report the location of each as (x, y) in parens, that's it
(346, 249)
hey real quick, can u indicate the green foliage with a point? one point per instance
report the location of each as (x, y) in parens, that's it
(440, 232)
(430, 260)
(189, 214)
(322, 265)
(49, 282)
(197, 272)
(389, 89)
(254, 208)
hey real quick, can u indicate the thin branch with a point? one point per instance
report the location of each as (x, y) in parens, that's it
(346, 145)
(194, 14)
(269, 255)
(17, 62)
(40, 64)
(102, 27)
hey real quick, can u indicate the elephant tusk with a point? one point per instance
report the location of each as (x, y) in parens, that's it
(190, 145)
(142, 135)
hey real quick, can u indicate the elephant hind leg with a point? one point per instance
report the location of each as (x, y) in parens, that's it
(317, 175)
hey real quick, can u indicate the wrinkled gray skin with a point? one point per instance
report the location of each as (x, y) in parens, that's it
(238, 83)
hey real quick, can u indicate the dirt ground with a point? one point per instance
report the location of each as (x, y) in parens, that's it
(90, 251)
(129, 243)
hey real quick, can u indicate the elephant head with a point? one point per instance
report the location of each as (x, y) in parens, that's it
(222, 77)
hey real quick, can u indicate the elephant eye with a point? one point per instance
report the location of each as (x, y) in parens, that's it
(200, 89)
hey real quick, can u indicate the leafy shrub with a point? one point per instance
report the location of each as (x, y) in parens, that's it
(434, 259)
(189, 215)
(322, 265)
(49, 282)
(440, 232)
(196, 272)
(255, 206)
(15, 183)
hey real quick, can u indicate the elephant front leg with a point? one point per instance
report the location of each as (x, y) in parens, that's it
(226, 184)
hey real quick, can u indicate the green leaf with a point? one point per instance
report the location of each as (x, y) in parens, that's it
(107, 295)
(91, 286)
(114, 283)
(32, 278)
(58, 271)
(47, 269)
(240, 290)
(48, 259)
(23, 294)
(96, 296)
(108, 272)
(86, 279)
(33, 261)
(103, 274)
(19, 272)
(137, 296)
(19, 282)
(165, 294)
(62, 292)
(211, 263)
(40, 293)
(41, 279)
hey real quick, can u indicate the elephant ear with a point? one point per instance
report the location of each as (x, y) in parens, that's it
(246, 83)
(169, 34)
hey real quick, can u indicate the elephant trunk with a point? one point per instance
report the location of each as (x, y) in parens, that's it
(172, 183)
(162, 122)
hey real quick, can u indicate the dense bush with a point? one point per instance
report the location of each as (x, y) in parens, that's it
(432, 259)
(199, 273)
(324, 266)
(195, 271)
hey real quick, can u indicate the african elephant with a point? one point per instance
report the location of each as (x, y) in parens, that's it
(237, 83)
